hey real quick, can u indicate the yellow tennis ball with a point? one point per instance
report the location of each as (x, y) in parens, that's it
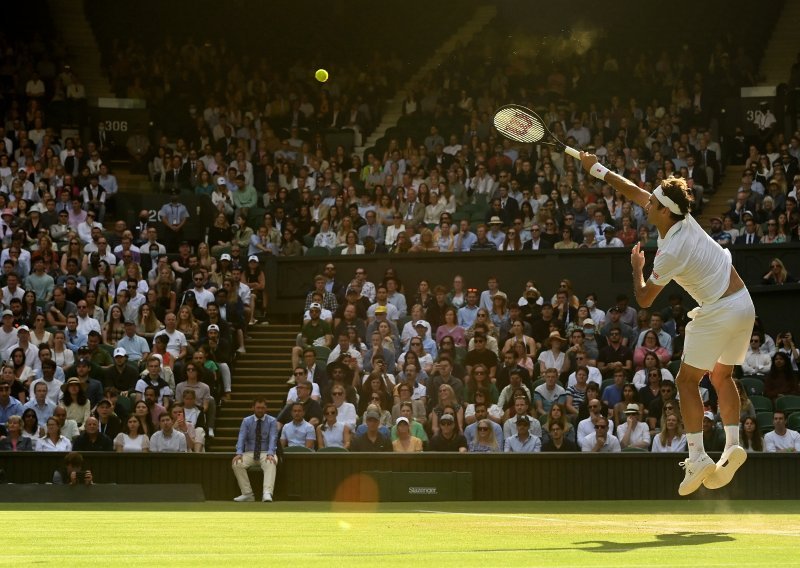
(321, 75)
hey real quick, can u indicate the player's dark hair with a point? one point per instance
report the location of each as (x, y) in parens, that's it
(675, 188)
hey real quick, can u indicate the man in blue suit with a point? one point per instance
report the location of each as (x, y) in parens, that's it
(258, 439)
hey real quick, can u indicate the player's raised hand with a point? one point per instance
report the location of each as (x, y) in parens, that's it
(637, 257)
(588, 160)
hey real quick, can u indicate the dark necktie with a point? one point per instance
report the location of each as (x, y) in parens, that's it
(257, 447)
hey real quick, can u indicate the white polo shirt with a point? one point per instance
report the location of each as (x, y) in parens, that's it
(688, 255)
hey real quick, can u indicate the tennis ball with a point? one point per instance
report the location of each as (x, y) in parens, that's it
(321, 75)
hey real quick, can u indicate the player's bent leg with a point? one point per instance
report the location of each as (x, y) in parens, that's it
(729, 408)
(698, 466)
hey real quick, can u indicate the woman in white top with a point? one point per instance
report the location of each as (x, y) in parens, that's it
(134, 439)
(62, 355)
(553, 357)
(671, 438)
(53, 441)
(331, 433)
(40, 335)
(351, 244)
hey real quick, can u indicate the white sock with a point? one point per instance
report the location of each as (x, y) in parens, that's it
(731, 435)
(695, 442)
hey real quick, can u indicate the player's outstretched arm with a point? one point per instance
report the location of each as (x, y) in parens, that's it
(619, 183)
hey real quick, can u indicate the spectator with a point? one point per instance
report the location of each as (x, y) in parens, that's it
(53, 441)
(371, 440)
(448, 439)
(485, 440)
(257, 444)
(73, 472)
(549, 393)
(781, 439)
(633, 433)
(780, 379)
(750, 437)
(298, 432)
(601, 440)
(167, 439)
(92, 440)
(332, 433)
(14, 440)
(405, 442)
(522, 441)
(557, 441)
(133, 438)
(671, 438)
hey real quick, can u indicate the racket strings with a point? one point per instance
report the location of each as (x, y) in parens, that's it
(519, 126)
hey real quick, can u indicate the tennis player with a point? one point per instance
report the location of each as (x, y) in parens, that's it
(718, 336)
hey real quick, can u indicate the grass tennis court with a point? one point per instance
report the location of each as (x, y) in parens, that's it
(597, 533)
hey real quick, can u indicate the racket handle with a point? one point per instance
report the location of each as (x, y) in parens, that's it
(572, 152)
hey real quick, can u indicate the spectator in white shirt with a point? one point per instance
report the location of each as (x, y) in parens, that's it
(756, 363)
(781, 439)
(633, 433)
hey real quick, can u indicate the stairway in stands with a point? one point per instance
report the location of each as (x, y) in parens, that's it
(718, 204)
(262, 371)
(71, 22)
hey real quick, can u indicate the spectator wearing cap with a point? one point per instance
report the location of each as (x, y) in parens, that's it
(448, 439)
(372, 440)
(614, 321)
(108, 422)
(713, 438)
(523, 442)
(30, 350)
(8, 332)
(405, 442)
(610, 240)
(718, 234)
(121, 375)
(633, 432)
(135, 346)
(382, 307)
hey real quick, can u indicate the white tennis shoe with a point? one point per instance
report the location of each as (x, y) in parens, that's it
(731, 460)
(696, 472)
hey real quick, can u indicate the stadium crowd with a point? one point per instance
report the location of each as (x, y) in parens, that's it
(113, 340)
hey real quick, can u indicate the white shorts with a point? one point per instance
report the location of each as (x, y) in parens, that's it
(720, 332)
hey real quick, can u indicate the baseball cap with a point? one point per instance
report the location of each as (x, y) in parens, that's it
(523, 419)
(252, 258)
(221, 180)
(402, 419)
(8, 313)
(104, 402)
(372, 415)
(129, 322)
(83, 361)
(614, 309)
(225, 256)
(446, 418)
(120, 352)
(422, 323)
(588, 321)
(632, 408)
(23, 328)
(380, 310)
(213, 327)
(709, 415)
(315, 306)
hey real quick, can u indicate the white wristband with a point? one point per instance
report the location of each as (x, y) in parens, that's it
(599, 171)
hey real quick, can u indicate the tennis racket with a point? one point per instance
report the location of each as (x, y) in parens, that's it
(524, 125)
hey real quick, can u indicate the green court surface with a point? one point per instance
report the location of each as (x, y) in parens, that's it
(597, 533)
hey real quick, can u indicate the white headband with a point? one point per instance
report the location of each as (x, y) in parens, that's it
(666, 201)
